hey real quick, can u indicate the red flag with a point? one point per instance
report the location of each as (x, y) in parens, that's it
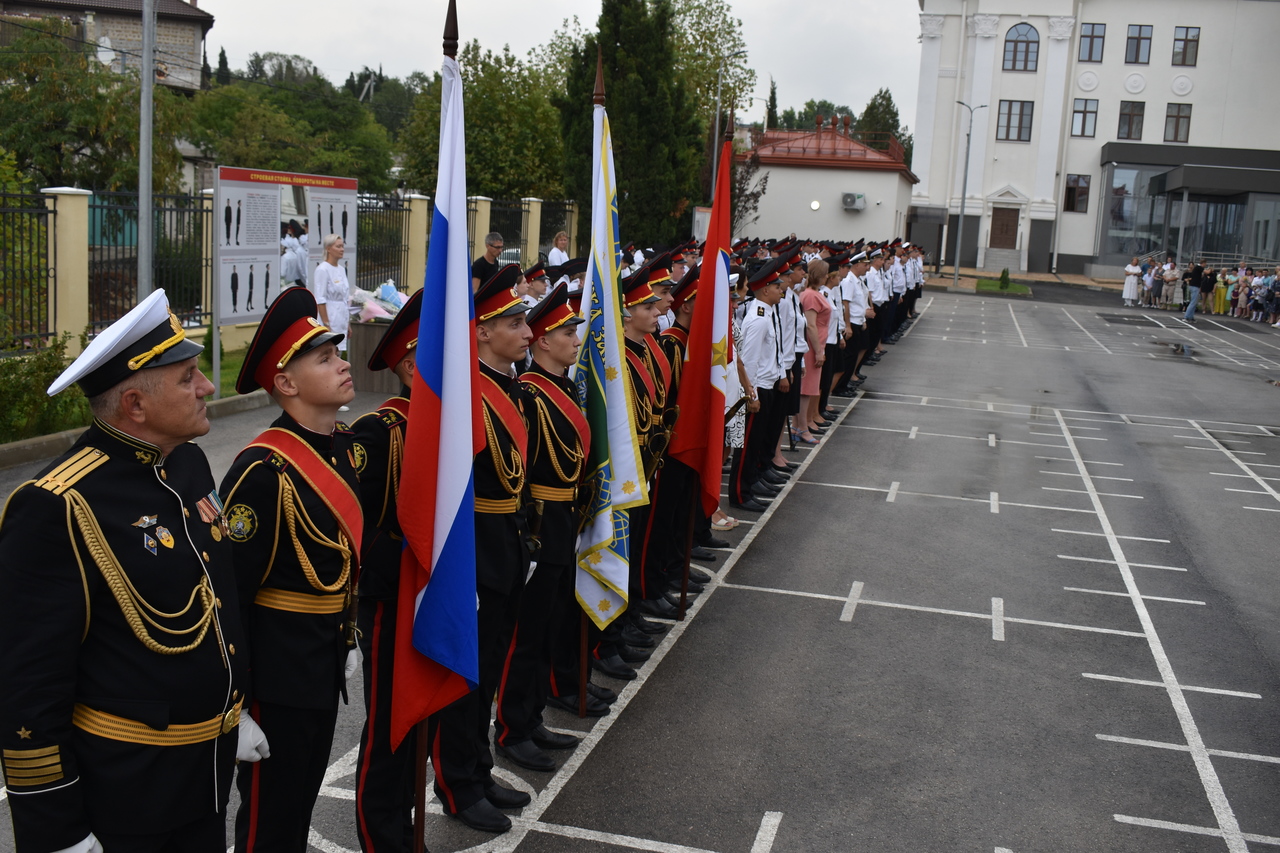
(698, 440)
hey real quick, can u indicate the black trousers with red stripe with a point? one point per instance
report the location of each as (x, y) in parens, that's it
(760, 436)
(566, 641)
(384, 779)
(459, 733)
(526, 673)
(278, 793)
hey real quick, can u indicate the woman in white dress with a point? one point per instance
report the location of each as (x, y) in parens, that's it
(1131, 273)
(331, 289)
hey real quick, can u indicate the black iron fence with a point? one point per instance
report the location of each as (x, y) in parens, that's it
(382, 245)
(507, 218)
(557, 216)
(181, 265)
(27, 312)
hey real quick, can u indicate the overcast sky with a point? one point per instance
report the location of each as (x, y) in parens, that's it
(792, 40)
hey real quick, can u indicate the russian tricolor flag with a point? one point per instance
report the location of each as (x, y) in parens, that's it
(437, 652)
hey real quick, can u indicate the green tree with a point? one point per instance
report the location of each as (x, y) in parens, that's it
(69, 121)
(771, 109)
(804, 118)
(236, 126)
(880, 117)
(657, 138)
(390, 99)
(706, 35)
(513, 138)
(223, 75)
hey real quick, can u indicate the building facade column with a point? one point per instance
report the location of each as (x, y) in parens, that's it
(69, 245)
(1056, 59)
(927, 102)
(985, 29)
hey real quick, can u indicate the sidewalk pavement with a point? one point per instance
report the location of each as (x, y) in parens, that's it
(969, 277)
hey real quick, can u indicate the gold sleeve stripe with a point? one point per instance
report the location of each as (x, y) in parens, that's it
(73, 470)
(31, 753)
(18, 773)
(14, 782)
(46, 761)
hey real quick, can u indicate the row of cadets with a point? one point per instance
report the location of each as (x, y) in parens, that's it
(794, 346)
(858, 307)
(750, 473)
(295, 526)
(559, 442)
(898, 280)
(880, 292)
(384, 779)
(459, 733)
(125, 668)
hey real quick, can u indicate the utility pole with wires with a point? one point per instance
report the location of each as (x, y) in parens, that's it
(146, 222)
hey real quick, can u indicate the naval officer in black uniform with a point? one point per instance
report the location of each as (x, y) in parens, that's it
(123, 672)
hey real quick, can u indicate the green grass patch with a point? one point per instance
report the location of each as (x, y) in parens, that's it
(990, 285)
(231, 363)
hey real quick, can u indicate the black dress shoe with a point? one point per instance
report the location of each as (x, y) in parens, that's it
(782, 471)
(848, 392)
(644, 625)
(774, 478)
(749, 505)
(861, 377)
(630, 654)
(697, 575)
(763, 491)
(569, 703)
(604, 694)
(693, 589)
(547, 739)
(633, 636)
(714, 541)
(482, 815)
(613, 667)
(657, 607)
(829, 414)
(503, 797)
(706, 555)
(527, 755)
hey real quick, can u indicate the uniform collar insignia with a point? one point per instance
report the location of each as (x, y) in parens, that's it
(146, 521)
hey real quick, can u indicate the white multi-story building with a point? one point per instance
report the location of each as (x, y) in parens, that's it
(1105, 129)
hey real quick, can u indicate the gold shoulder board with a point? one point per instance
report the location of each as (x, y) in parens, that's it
(73, 470)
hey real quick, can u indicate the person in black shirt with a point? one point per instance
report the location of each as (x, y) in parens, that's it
(486, 266)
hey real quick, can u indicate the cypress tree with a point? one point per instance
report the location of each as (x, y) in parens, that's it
(657, 140)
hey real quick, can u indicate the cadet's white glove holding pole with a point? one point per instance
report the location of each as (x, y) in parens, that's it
(253, 744)
(353, 662)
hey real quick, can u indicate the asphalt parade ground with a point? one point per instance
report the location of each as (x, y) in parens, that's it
(1022, 598)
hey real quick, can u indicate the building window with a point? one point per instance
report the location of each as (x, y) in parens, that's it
(1186, 45)
(1131, 113)
(1084, 117)
(1014, 123)
(1137, 50)
(1021, 48)
(1091, 38)
(1076, 199)
(1177, 123)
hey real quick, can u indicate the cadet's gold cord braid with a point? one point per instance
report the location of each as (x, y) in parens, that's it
(574, 454)
(291, 507)
(395, 457)
(510, 472)
(127, 596)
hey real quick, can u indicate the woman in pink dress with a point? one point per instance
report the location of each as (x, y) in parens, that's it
(817, 317)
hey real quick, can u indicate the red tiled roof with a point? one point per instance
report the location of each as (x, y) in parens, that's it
(829, 149)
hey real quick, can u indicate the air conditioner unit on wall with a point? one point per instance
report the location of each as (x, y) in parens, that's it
(854, 201)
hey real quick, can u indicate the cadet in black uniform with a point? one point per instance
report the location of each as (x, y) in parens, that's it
(296, 531)
(384, 779)
(459, 733)
(123, 673)
(559, 441)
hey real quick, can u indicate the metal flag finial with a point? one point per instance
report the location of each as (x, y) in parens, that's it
(598, 97)
(451, 31)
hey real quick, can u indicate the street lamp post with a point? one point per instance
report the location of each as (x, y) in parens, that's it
(715, 145)
(964, 191)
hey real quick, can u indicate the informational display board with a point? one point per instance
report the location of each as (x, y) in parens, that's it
(253, 210)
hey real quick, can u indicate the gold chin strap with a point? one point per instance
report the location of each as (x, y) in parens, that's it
(178, 337)
(297, 345)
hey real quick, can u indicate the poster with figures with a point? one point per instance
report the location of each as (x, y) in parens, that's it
(265, 238)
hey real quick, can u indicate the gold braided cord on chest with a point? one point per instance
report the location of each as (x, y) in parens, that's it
(572, 452)
(510, 468)
(138, 613)
(293, 510)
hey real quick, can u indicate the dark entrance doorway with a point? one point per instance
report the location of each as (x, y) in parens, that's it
(1004, 228)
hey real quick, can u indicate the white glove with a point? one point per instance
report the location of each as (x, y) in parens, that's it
(253, 744)
(353, 662)
(88, 845)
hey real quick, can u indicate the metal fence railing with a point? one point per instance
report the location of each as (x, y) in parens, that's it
(382, 241)
(27, 311)
(181, 263)
(507, 218)
(557, 216)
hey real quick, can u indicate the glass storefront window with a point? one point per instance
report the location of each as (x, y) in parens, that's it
(1134, 222)
(1266, 228)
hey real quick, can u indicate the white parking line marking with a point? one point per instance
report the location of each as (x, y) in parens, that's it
(1085, 492)
(991, 439)
(1090, 533)
(851, 604)
(1183, 687)
(1113, 562)
(1014, 317)
(893, 492)
(995, 503)
(1262, 508)
(1209, 780)
(914, 432)
(1232, 840)
(997, 619)
(1126, 595)
(1232, 454)
(1182, 747)
(768, 832)
(1086, 331)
